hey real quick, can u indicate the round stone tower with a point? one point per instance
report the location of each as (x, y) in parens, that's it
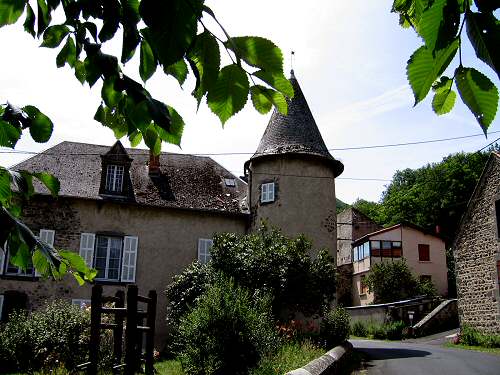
(291, 176)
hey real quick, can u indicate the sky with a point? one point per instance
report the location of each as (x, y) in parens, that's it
(350, 60)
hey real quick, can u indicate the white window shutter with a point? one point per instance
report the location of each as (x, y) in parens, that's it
(87, 247)
(129, 258)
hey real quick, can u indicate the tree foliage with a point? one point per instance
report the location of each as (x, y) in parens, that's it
(170, 36)
(440, 24)
(430, 196)
(392, 281)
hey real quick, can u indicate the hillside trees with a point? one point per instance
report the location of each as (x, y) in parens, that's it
(170, 36)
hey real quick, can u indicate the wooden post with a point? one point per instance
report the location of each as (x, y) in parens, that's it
(150, 334)
(118, 331)
(95, 328)
(131, 331)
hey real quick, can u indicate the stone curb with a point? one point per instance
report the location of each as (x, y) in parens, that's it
(327, 364)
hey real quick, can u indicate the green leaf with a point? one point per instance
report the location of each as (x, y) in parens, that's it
(21, 257)
(444, 97)
(80, 73)
(479, 94)
(41, 126)
(171, 27)
(29, 23)
(147, 65)
(51, 182)
(260, 100)
(9, 134)
(204, 58)
(10, 11)
(41, 263)
(43, 16)
(258, 52)
(139, 116)
(277, 81)
(135, 138)
(176, 128)
(109, 94)
(178, 70)
(92, 71)
(439, 23)
(152, 140)
(92, 28)
(483, 30)
(230, 92)
(423, 68)
(5, 189)
(74, 260)
(67, 54)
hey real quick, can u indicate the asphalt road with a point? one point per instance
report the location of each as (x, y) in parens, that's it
(391, 358)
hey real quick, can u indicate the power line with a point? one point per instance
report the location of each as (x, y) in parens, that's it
(367, 147)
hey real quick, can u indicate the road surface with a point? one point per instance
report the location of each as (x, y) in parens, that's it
(401, 358)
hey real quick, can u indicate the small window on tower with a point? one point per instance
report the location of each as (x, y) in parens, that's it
(229, 182)
(267, 192)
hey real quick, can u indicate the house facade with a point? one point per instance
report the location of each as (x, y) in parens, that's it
(139, 218)
(477, 253)
(425, 254)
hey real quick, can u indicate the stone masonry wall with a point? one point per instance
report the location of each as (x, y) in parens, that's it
(476, 252)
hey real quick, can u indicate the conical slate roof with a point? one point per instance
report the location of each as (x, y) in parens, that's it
(295, 133)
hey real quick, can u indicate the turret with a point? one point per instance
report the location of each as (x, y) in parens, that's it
(291, 176)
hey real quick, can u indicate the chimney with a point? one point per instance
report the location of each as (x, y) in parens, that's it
(154, 164)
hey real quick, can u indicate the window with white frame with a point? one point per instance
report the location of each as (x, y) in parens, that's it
(267, 192)
(204, 246)
(8, 268)
(114, 257)
(114, 178)
(230, 182)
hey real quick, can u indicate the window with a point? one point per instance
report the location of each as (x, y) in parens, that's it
(267, 192)
(204, 246)
(390, 249)
(361, 251)
(229, 182)
(114, 257)
(81, 303)
(108, 254)
(7, 267)
(424, 253)
(114, 178)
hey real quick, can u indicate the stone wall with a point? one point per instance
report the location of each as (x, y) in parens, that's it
(343, 282)
(476, 251)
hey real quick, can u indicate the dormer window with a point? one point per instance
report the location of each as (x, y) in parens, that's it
(267, 192)
(114, 178)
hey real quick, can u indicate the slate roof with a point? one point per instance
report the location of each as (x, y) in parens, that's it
(295, 133)
(186, 181)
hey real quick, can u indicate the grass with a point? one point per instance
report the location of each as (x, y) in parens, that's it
(170, 367)
(471, 347)
(290, 357)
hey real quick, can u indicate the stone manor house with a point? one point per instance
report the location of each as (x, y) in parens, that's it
(139, 218)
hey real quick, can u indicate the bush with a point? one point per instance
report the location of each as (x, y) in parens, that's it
(359, 329)
(335, 327)
(394, 330)
(56, 336)
(472, 337)
(228, 332)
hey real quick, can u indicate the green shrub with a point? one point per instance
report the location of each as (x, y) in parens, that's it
(55, 336)
(335, 327)
(359, 329)
(426, 288)
(472, 337)
(394, 330)
(228, 332)
(377, 331)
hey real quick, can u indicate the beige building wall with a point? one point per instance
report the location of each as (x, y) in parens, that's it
(304, 198)
(410, 239)
(167, 243)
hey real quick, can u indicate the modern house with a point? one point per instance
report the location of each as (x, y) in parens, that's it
(477, 253)
(424, 252)
(139, 218)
